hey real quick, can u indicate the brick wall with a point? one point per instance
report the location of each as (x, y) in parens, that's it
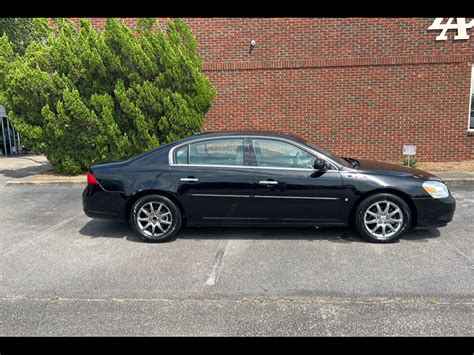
(362, 87)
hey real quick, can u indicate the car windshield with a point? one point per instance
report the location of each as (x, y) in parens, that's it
(328, 154)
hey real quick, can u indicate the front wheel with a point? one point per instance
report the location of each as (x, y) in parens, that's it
(155, 218)
(383, 218)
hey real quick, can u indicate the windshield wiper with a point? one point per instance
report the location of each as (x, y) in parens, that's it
(354, 162)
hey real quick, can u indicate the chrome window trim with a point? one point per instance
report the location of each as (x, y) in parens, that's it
(301, 146)
(250, 167)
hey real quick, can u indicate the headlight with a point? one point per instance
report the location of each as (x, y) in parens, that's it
(436, 189)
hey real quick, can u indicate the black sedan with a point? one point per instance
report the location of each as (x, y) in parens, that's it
(248, 179)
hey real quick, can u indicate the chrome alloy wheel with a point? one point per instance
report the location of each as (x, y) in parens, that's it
(154, 219)
(383, 219)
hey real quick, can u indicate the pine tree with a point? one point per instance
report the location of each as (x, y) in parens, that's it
(81, 96)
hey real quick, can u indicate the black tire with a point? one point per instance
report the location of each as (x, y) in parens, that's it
(397, 228)
(156, 201)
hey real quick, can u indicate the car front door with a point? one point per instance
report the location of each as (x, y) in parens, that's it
(214, 180)
(287, 187)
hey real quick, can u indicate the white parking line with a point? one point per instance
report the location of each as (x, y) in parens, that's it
(40, 235)
(216, 263)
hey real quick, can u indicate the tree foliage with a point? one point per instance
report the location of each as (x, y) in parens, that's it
(21, 31)
(82, 96)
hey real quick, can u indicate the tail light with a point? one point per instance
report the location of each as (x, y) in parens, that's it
(91, 179)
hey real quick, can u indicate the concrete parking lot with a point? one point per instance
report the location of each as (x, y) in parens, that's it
(65, 274)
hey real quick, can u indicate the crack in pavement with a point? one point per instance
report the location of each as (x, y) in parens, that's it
(316, 300)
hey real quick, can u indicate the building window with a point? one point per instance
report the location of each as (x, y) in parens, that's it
(471, 116)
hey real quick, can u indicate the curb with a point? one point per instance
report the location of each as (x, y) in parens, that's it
(459, 182)
(46, 183)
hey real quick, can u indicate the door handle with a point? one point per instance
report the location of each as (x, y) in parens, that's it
(189, 179)
(268, 182)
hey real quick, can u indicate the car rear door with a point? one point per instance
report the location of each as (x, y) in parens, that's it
(214, 180)
(288, 189)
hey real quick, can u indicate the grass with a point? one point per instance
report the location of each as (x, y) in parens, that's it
(464, 166)
(455, 166)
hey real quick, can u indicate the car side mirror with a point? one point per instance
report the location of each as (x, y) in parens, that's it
(320, 165)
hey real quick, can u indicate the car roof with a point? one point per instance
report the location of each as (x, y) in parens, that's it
(243, 133)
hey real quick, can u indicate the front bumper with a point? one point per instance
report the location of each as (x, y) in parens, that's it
(433, 212)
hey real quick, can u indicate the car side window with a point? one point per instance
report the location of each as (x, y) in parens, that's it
(217, 152)
(277, 154)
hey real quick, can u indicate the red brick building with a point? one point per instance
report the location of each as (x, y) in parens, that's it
(357, 86)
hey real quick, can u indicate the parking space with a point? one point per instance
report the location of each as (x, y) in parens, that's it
(52, 254)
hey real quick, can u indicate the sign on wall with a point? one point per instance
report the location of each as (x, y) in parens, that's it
(459, 25)
(409, 149)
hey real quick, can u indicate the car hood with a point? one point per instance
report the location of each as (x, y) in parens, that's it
(394, 169)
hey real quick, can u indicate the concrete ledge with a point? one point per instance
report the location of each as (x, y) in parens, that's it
(459, 182)
(46, 183)
(458, 179)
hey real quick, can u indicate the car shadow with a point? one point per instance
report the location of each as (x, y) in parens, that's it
(97, 228)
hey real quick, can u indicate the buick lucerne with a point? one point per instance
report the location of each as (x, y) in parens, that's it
(263, 179)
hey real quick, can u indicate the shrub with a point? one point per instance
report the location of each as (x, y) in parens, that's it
(21, 31)
(411, 162)
(81, 96)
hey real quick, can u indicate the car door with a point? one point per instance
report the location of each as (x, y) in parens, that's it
(288, 189)
(214, 180)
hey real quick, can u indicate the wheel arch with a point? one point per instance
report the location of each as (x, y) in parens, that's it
(404, 196)
(135, 197)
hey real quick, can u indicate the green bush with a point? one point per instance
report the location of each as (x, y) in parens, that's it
(20, 31)
(81, 96)
(411, 162)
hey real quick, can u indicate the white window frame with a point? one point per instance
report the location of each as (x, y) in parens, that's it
(171, 156)
(471, 92)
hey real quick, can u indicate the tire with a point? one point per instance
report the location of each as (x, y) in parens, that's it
(152, 224)
(377, 225)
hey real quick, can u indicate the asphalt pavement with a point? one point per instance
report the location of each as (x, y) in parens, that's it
(65, 274)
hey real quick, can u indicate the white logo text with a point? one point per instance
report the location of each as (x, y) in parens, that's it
(461, 26)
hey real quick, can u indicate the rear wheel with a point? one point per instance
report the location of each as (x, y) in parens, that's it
(155, 218)
(383, 218)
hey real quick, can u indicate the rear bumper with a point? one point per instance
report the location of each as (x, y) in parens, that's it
(98, 203)
(102, 215)
(432, 212)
